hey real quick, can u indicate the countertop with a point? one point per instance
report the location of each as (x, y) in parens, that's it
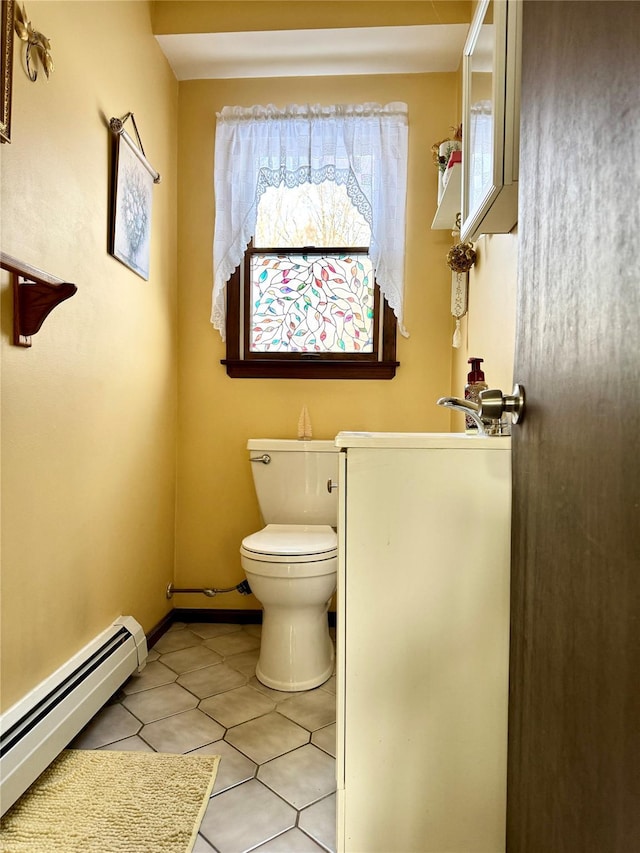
(418, 440)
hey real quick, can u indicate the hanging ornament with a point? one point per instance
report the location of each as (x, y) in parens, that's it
(460, 258)
(459, 291)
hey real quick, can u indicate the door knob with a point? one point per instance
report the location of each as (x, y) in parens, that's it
(493, 404)
(331, 486)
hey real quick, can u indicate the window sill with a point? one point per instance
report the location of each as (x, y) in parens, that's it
(275, 369)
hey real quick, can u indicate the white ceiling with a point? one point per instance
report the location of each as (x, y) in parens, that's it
(311, 53)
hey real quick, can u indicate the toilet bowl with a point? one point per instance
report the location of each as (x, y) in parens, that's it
(291, 564)
(292, 571)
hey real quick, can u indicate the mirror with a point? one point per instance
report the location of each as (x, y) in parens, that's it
(491, 112)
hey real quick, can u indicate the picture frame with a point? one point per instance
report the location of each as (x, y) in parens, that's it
(131, 204)
(6, 69)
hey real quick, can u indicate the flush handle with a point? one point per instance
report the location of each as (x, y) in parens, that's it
(331, 486)
(493, 404)
(265, 459)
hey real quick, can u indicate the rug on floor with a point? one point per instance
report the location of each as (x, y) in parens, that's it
(99, 801)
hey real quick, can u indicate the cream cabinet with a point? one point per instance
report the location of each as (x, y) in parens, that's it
(423, 624)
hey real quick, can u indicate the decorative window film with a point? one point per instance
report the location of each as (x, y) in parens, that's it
(311, 303)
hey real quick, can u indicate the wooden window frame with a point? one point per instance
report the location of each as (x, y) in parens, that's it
(243, 364)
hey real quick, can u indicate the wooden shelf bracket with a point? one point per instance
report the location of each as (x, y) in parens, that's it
(35, 294)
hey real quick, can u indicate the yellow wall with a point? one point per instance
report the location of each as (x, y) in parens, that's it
(89, 412)
(216, 501)
(488, 330)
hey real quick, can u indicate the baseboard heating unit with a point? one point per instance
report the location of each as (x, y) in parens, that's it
(38, 727)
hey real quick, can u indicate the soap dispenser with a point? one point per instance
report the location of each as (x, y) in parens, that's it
(475, 384)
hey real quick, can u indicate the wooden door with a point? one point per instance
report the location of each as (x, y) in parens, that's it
(574, 750)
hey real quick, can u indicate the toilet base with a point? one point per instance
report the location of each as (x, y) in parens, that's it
(286, 686)
(296, 650)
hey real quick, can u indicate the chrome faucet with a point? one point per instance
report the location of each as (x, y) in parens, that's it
(493, 411)
(468, 407)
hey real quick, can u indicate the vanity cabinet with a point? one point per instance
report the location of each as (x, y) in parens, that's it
(422, 643)
(491, 119)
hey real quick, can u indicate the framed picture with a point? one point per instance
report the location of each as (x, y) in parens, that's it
(6, 70)
(133, 179)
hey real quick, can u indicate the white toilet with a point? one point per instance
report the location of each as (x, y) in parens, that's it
(291, 564)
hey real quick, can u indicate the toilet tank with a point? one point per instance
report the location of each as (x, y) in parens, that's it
(292, 487)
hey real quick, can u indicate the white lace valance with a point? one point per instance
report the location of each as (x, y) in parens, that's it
(363, 146)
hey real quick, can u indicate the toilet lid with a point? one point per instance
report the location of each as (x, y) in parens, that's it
(293, 540)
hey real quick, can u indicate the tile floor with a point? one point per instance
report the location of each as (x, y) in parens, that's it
(275, 788)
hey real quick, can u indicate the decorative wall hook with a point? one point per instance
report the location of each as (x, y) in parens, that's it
(116, 126)
(33, 40)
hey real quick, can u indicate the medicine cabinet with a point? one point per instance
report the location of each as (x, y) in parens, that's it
(491, 119)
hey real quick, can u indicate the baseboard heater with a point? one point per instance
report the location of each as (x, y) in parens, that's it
(38, 727)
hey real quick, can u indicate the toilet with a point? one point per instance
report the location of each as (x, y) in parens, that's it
(291, 564)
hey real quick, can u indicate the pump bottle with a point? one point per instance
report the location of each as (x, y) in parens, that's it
(475, 384)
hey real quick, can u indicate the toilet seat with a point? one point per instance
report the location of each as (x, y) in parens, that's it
(291, 543)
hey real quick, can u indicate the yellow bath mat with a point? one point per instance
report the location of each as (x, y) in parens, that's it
(97, 801)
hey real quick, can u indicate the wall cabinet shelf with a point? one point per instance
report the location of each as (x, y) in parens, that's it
(491, 119)
(450, 204)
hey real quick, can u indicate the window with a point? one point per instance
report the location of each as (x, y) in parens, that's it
(307, 308)
(310, 193)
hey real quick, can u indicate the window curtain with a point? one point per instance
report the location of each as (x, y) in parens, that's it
(363, 146)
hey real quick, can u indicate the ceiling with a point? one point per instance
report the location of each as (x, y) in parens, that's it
(315, 52)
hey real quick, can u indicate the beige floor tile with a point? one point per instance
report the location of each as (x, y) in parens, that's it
(313, 709)
(186, 660)
(129, 744)
(238, 819)
(237, 706)
(202, 846)
(326, 739)
(112, 723)
(319, 821)
(244, 663)
(182, 732)
(233, 644)
(173, 641)
(267, 737)
(199, 694)
(211, 680)
(234, 767)
(159, 702)
(153, 675)
(291, 841)
(276, 695)
(301, 777)
(208, 630)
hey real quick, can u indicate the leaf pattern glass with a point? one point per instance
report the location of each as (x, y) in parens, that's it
(311, 303)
